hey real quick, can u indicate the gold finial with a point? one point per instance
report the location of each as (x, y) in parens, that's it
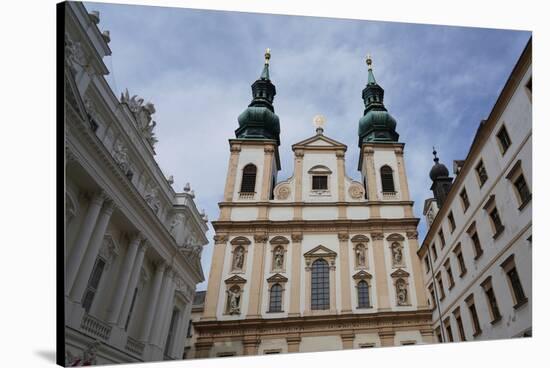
(369, 61)
(267, 55)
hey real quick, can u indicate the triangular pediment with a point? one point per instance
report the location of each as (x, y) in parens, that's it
(277, 278)
(361, 275)
(318, 141)
(320, 251)
(400, 273)
(235, 279)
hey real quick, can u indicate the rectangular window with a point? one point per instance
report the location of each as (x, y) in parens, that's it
(227, 354)
(523, 190)
(441, 237)
(93, 284)
(477, 245)
(460, 258)
(481, 173)
(509, 266)
(434, 252)
(451, 219)
(440, 285)
(432, 293)
(497, 224)
(367, 345)
(319, 182)
(427, 264)
(171, 331)
(473, 314)
(458, 320)
(449, 273)
(491, 300)
(465, 200)
(449, 330)
(503, 140)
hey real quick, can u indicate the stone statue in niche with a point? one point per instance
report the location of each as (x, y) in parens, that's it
(397, 254)
(120, 154)
(401, 289)
(176, 221)
(360, 256)
(278, 258)
(234, 300)
(238, 258)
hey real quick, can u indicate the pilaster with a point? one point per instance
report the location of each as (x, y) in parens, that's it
(381, 273)
(296, 275)
(214, 278)
(345, 278)
(257, 282)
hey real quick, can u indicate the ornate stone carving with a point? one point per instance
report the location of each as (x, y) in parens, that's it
(174, 224)
(297, 237)
(299, 153)
(278, 258)
(343, 236)
(109, 250)
(220, 239)
(269, 149)
(74, 54)
(234, 300)
(377, 236)
(401, 291)
(282, 192)
(142, 114)
(235, 148)
(120, 155)
(340, 154)
(412, 234)
(397, 254)
(260, 238)
(238, 258)
(87, 358)
(360, 255)
(356, 191)
(151, 197)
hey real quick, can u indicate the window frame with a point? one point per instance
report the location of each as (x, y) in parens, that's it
(515, 173)
(480, 178)
(505, 137)
(494, 310)
(385, 176)
(474, 316)
(93, 289)
(464, 199)
(460, 258)
(451, 220)
(518, 294)
(449, 271)
(251, 184)
(320, 285)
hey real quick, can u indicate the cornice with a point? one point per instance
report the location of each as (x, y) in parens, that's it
(314, 204)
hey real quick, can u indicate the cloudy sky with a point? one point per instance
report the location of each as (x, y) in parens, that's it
(197, 68)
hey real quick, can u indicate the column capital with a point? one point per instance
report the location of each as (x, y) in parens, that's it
(109, 206)
(398, 151)
(412, 234)
(136, 237)
(235, 148)
(161, 266)
(144, 244)
(220, 238)
(299, 153)
(340, 154)
(343, 236)
(377, 236)
(260, 238)
(297, 237)
(99, 197)
(269, 150)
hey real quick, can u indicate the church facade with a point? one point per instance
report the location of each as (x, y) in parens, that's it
(317, 261)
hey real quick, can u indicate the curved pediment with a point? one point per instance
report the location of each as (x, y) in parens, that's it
(359, 239)
(240, 240)
(395, 237)
(279, 240)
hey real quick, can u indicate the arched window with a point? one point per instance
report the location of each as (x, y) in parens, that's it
(386, 173)
(248, 184)
(276, 298)
(363, 294)
(320, 293)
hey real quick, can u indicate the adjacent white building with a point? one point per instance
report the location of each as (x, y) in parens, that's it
(477, 252)
(132, 243)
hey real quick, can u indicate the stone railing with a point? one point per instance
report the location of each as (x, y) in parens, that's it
(95, 327)
(247, 195)
(390, 195)
(134, 346)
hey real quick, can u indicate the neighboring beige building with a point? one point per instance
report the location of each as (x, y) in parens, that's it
(315, 262)
(477, 253)
(132, 244)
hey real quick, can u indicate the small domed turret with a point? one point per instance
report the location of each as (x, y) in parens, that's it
(438, 170)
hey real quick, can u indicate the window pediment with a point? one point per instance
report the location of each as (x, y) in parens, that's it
(359, 239)
(320, 251)
(236, 279)
(400, 273)
(277, 278)
(319, 169)
(362, 275)
(395, 237)
(240, 240)
(279, 240)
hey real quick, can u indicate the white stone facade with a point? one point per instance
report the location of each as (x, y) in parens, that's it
(132, 244)
(505, 311)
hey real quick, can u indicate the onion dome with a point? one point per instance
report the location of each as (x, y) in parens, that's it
(438, 170)
(376, 125)
(259, 120)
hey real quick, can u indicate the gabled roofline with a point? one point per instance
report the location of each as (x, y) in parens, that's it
(335, 144)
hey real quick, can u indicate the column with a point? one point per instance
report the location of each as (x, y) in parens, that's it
(266, 181)
(347, 340)
(250, 345)
(382, 291)
(153, 301)
(134, 279)
(341, 184)
(332, 280)
(168, 309)
(83, 239)
(230, 180)
(421, 295)
(298, 174)
(296, 275)
(123, 278)
(158, 320)
(371, 180)
(257, 282)
(402, 174)
(181, 334)
(345, 278)
(214, 278)
(293, 343)
(91, 253)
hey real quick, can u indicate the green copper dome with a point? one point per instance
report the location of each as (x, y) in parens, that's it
(376, 125)
(259, 120)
